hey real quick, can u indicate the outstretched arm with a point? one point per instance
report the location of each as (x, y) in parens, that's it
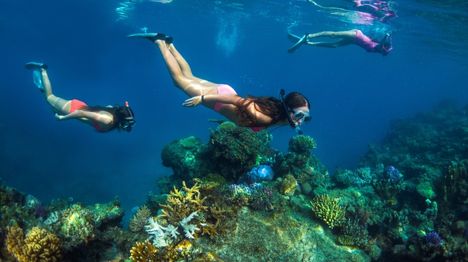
(225, 99)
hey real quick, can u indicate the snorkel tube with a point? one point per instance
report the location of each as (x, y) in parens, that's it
(129, 120)
(288, 115)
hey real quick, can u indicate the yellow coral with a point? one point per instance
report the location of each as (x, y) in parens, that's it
(328, 210)
(39, 245)
(15, 242)
(182, 203)
(143, 252)
(288, 185)
(139, 220)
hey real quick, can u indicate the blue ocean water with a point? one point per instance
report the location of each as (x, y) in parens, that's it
(354, 94)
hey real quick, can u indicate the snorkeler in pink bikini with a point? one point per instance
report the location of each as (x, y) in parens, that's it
(377, 10)
(256, 113)
(354, 36)
(102, 118)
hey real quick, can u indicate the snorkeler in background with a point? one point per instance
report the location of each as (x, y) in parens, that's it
(256, 113)
(354, 36)
(379, 11)
(103, 119)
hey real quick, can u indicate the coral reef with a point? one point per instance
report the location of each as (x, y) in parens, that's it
(407, 201)
(38, 245)
(184, 157)
(76, 225)
(139, 219)
(233, 150)
(144, 252)
(328, 210)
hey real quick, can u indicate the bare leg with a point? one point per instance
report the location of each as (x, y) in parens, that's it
(331, 45)
(185, 67)
(59, 105)
(192, 86)
(350, 34)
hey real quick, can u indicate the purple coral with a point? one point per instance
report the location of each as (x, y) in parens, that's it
(393, 174)
(434, 239)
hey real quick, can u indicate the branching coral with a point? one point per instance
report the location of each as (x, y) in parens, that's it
(182, 218)
(182, 203)
(139, 220)
(143, 252)
(328, 210)
(39, 245)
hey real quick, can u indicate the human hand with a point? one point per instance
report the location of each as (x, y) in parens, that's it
(193, 101)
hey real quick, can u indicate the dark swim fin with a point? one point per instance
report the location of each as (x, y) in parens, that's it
(35, 66)
(153, 37)
(300, 41)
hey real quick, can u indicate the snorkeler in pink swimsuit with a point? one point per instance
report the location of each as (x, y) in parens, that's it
(354, 36)
(256, 113)
(377, 10)
(102, 118)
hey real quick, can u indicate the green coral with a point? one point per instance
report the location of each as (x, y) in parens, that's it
(77, 225)
(328, 210)
(234, 150)
(109, 213)
(183, 156)
(426, 190)
(302, 144)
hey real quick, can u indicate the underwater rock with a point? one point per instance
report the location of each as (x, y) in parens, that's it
(287, 237)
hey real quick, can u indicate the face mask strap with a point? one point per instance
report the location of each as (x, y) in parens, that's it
(286, 109)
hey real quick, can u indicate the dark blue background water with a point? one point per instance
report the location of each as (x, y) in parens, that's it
(354, 94)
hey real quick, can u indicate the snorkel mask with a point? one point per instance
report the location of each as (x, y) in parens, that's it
(129, 120)
(296, 127)
(385, 45)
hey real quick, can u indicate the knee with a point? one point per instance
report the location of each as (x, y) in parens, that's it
(180, 80)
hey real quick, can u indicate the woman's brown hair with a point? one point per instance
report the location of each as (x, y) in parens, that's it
(271, 107)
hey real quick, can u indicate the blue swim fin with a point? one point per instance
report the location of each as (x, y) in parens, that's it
(153, 37)
(37, 75)
(300, 41)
